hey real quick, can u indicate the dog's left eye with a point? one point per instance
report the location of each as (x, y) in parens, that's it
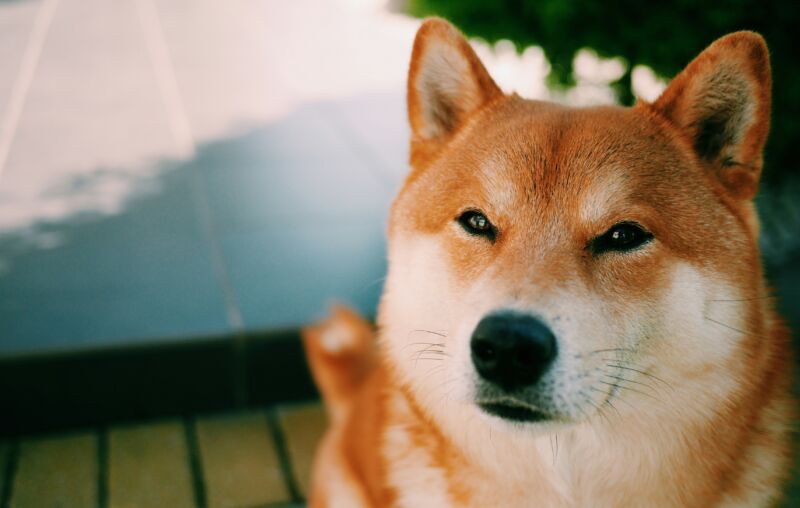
(622, 237)
(476, 223)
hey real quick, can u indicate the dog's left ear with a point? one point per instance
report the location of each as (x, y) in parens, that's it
(446, 84)
(721, 101)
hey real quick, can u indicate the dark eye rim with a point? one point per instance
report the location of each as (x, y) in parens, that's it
(604, 243)
(463, 220)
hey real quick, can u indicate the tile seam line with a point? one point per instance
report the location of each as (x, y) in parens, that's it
(102, 467)
(22, 85)
(166, 80)
(282, 451)
(195, 462)
(172, 99)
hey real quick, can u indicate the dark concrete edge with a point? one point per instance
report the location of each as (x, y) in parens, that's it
(139, 343)
(105, 386)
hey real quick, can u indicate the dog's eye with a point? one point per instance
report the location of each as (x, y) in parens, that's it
(476, 223)
(622, 237)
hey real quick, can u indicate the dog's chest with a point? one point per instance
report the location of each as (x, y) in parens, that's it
(420, 480)
(423, 470)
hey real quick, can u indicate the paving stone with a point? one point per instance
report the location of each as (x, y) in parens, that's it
(288, 283)
(239, 461)
(94, 101)
(148, 467)
(57, 472)
(302, 427)
(220, 55)
(268, 175)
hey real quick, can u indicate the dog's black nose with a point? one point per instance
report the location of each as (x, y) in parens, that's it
(512, 350)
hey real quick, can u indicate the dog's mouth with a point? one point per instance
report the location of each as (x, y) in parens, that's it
(514, 412)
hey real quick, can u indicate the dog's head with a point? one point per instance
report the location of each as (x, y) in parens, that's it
(548, 262)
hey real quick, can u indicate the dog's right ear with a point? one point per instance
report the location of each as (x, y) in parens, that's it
(446, 84)
(721, 103)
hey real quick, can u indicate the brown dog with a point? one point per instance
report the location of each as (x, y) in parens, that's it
(575, 312)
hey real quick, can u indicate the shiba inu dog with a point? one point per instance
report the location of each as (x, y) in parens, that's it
(575, 313)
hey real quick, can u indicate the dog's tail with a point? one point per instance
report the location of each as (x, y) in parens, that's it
(340, 353)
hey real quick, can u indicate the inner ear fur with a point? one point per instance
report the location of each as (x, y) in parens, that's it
(721, 102)
(447, 83)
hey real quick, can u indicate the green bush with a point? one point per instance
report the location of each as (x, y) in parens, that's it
(662, 35)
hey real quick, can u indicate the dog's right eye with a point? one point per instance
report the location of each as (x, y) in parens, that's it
(476, 223)
(622, 237)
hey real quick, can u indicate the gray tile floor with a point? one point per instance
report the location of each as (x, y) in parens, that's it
(166, 171)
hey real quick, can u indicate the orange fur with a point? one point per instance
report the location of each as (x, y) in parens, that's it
(702, 412)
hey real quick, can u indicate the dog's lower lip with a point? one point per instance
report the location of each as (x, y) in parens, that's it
(513, 412)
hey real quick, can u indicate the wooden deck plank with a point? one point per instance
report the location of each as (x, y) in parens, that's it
(56, 471)
(302, 428)
(148, 467)
(239, 461)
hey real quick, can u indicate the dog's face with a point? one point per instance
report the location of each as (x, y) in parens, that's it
(548, 263)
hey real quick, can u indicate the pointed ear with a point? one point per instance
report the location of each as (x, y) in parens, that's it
(446, 84)
(721, 101)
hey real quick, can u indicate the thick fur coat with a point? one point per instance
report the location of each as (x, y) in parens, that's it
(671, 382)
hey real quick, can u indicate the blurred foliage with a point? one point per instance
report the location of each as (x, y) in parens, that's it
(662, 35)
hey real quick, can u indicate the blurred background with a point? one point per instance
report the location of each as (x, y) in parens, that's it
(183, 183)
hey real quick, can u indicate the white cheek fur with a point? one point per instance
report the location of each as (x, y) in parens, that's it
(423, 306)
